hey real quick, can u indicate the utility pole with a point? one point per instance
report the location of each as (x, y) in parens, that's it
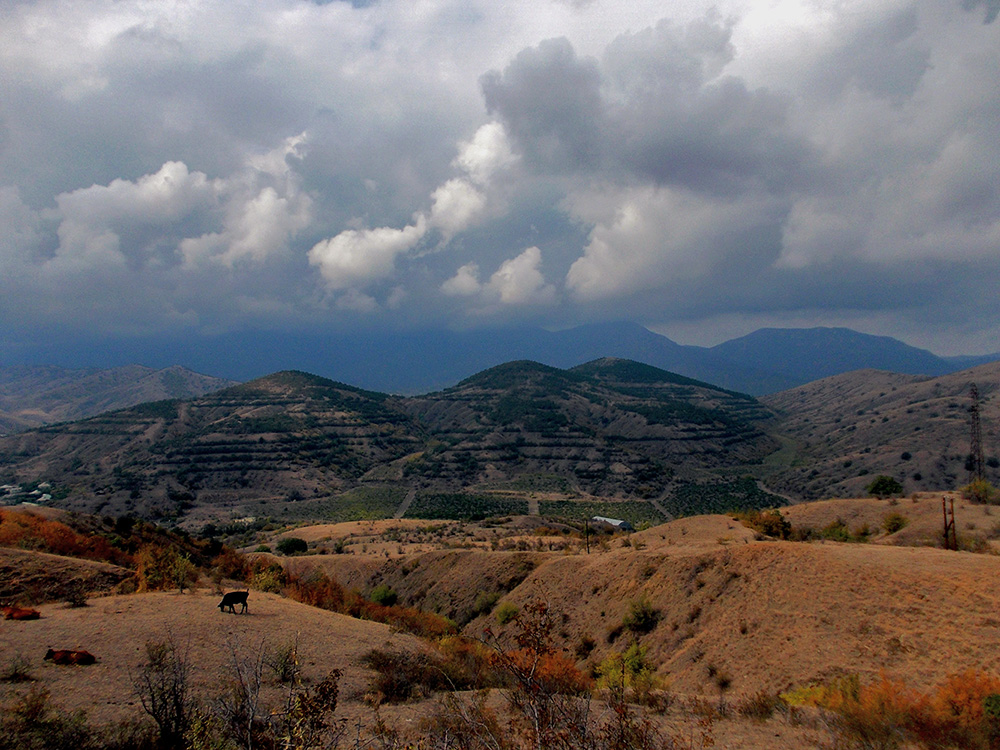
(977, 470)
(948, 510)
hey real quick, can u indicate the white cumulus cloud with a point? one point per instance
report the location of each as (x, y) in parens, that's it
(519, 281)
(464, 283)
(357, 256)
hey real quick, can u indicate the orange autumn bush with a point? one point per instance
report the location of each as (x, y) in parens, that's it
(29, 531)
(554, 672)
(319, 590)
(884, 713)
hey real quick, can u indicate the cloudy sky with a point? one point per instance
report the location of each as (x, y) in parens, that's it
(200, 166)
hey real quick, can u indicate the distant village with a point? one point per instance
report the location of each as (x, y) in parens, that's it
(14, 494)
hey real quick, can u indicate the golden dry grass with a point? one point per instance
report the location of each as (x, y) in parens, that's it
(116, 628)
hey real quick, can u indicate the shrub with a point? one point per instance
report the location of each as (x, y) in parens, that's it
(31, 721)
(894, 522)
(283, 661)
(319, 590)
(836, 531)
(760, 705)
(402, 675)
(770, 522)
(269, 579)
(18, 669)
(292, 545)
(163, 689)
(163, 567)
(980, 491)
(384, 595)
(455, 664)
(507, 612)
(641, 617)
(629, 671)
(884, 486)
(960, 712)
(231, 564)
(76, 594)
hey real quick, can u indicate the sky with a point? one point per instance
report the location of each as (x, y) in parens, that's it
(702, 168)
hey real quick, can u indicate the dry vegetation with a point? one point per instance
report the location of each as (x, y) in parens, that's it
(685, 633)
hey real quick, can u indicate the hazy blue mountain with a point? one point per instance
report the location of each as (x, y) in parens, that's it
(413, 362)
(31, 396)
(964, 362)
(808, 354)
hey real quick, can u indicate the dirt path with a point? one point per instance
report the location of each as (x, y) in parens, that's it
(663, 495)
(405, 505)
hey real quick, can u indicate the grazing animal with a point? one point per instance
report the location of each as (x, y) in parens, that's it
(20, 613)
(70, 658)
(232, 599)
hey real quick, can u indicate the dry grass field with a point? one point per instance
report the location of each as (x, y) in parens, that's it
(768, 614)
(730, 613)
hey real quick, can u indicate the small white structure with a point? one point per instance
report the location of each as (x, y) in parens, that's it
(615, 522)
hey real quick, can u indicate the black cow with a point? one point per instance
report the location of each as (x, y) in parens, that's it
(232, 599)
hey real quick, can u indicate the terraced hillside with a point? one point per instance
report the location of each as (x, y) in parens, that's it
(282, 437)
(615, 427)
(297, 442)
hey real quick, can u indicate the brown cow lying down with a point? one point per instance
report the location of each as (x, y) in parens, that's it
(70, 657)
(19, 613)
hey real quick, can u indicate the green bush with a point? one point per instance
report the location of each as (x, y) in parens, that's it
(894, 522)
(507, 612)
(641, 617)
(384, 595)
(292, 545)
(769, 522)
(884, 486)
(270, 579)
(980, 491)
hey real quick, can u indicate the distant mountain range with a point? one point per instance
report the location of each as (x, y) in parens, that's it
(766, 361)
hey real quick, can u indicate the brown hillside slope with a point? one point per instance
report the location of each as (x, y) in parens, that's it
(774, 615)
(116, 628)
(977, 526)
(37, 576)
(851, 427)
(768, 615)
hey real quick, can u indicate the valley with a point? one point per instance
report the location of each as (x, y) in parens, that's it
(378, 533)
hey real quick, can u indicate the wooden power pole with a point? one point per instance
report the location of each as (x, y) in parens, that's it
(948, 511)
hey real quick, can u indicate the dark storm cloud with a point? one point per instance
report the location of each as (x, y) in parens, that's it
(992, 8)
(289, 163)
(550, 101)
(655, 108)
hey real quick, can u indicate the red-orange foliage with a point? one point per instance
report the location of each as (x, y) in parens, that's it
(29, 531)
(951, 715)
(232, 565)
(319, 590)
(552, 671)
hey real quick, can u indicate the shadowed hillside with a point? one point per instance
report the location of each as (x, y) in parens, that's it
(303, 443)
(849, 428)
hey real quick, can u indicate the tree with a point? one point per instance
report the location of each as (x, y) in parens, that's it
(163, 689)
(885, 486)
(292, 545)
